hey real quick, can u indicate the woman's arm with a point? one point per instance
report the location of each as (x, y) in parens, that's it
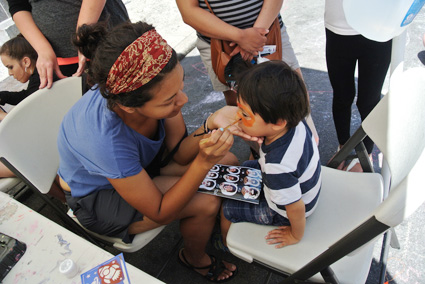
(46, 62)
(90, 12)
(189, 147)
(12, 98)
(251, 40)
(268, 13)
(141, 192)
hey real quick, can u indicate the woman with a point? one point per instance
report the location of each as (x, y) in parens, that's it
(346, 49)
(49, 25)
(18, 56)
(112, 145)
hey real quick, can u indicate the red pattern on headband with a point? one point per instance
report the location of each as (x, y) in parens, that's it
(139, 63)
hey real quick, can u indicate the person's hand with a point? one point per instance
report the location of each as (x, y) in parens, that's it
(46, 65)
(253, 40)
(244, 54)
(224, 117)
(213, 147)
(81, 64)
(281, 236)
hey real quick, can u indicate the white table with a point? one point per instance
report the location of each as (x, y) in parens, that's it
(48, 244)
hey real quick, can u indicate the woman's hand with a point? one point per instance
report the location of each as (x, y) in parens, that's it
(215, 146)
(224, 117)
(81, 65)
(253, 39)
(46, 65)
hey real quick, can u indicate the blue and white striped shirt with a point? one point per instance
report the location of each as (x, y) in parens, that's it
(291, 170)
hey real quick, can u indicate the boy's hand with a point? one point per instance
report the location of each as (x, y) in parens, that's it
(282, 237)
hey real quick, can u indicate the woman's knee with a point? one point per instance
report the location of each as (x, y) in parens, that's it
(210, 205)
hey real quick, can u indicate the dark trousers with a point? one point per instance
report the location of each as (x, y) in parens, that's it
(373, 59)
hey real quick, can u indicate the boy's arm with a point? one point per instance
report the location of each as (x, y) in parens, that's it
(289, 235)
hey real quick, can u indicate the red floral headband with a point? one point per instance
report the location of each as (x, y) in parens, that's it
(139, 63)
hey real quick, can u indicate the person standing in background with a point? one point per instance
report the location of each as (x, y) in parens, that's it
(49, 25)
(245, 23)
(345, 48)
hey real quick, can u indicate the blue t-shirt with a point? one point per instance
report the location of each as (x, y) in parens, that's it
(94, 144)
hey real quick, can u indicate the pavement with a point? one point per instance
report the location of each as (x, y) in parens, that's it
(304, 21)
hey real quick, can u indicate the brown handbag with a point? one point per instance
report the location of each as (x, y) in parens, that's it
(221, 49)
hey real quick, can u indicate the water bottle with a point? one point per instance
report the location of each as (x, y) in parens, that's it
(381, 20)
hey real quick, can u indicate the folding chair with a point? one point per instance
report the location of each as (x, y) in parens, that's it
(337, 246)
(7, 184)
(28, 148)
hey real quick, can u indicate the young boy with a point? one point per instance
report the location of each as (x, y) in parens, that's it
(273, 103)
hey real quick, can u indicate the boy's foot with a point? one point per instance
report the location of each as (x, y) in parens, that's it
(217, 271)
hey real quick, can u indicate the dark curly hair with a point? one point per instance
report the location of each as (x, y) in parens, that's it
(103, 47)
(274, 91)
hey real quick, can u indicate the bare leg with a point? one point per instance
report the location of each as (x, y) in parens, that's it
(224, 226)
(5, 172)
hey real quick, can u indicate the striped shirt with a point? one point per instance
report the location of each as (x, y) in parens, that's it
(291, 170)
(239, 13)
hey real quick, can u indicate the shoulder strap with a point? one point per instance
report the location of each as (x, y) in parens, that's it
(209, 7)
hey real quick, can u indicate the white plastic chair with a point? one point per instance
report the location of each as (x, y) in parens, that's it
(28, 148)
(7, 184)
(337, 246)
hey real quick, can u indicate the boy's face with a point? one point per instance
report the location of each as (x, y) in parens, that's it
(252, 124)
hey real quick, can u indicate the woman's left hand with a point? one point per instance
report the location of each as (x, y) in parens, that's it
(224, 117)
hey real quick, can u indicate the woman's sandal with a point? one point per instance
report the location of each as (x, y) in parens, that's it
(214, 269)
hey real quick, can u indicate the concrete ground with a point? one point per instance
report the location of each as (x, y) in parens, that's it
(304, 20)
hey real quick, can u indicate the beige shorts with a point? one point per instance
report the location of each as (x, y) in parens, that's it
(288, 56)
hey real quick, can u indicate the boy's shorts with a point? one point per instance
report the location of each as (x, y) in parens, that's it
(239, 211)
(288, 56)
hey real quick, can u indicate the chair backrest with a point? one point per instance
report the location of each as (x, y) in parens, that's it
(29, 132)
(401, 143)
(397, 126)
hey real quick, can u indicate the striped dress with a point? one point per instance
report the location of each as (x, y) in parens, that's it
(291, 170)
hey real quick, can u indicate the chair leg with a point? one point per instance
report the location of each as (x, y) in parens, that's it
(384, 256)
(345, 151)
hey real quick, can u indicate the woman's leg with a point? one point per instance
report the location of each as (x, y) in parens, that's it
(341, 64)
(197, 220)
(373, 67)
(5, 172)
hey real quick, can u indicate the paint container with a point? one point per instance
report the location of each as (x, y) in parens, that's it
(68, 268)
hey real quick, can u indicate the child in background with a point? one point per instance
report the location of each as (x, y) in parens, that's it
(19, 58)
(273, 103)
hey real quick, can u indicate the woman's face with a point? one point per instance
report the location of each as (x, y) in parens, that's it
(168, 96)
(16, 68)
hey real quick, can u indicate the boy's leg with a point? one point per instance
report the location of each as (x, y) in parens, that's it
(224, 227)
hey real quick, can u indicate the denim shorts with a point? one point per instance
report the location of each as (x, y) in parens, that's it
(239, 211)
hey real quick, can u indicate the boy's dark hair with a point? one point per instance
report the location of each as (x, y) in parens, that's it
(103, 47)
(274, 91)
(18, 47)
